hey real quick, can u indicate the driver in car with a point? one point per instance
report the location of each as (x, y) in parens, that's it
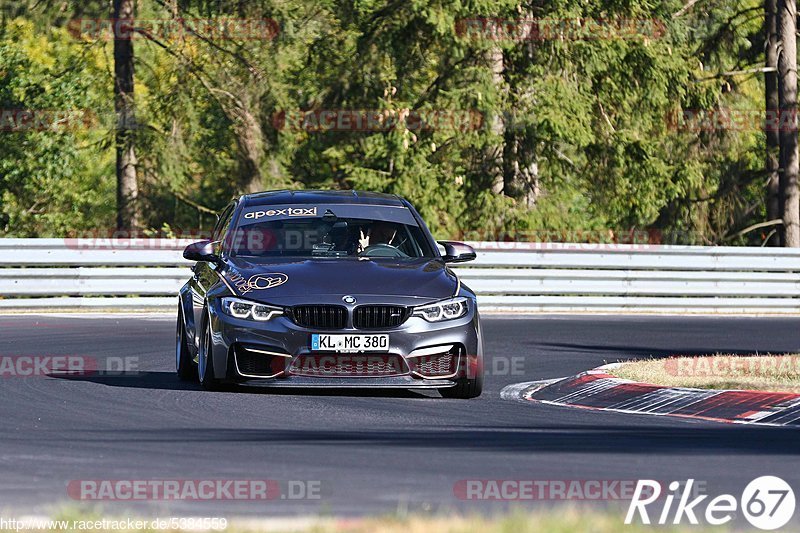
(378, 233)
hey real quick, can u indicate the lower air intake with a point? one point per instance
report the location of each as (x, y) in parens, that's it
(258, 363)
(338, 365)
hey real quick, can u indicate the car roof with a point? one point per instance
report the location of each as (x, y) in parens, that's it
(283, 197)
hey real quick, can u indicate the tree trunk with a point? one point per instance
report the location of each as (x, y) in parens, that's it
(521, 170)
(250, 139)
(494, 154)
(520, 162)
(787, 81)
(128, 218)
(774, 209)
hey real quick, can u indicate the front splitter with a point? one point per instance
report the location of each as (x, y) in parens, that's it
(351, 383)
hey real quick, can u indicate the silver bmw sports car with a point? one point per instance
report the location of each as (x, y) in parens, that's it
(328, 289)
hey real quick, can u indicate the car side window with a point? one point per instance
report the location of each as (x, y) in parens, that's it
(224, 234)
(223, 223)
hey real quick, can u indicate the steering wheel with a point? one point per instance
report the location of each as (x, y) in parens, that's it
(382, 250)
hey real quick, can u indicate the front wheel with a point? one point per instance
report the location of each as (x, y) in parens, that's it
(185, 366)
(470, 386)
(205, 362)
(464, 389)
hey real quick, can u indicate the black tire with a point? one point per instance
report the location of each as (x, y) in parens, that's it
(465, 388)
(185, 366)
(206, 363)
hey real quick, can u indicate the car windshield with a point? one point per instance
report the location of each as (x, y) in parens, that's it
(329, 237)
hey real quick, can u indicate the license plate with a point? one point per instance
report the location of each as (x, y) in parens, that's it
(349, 343)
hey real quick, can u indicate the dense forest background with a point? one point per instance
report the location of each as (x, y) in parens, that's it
(606, 119)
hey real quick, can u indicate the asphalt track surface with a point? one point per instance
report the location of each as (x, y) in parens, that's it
(370, 452)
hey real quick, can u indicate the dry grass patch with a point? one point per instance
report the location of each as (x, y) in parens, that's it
(777, 373)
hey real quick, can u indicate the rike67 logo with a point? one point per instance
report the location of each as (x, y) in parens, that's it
(767, 502)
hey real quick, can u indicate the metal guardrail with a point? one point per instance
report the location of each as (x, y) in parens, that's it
(513, 277)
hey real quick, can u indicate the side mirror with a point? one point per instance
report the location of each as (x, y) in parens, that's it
(457, 252)
(201, 251)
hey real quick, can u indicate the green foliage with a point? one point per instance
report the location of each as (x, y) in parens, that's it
(56, 178)
(577, 131)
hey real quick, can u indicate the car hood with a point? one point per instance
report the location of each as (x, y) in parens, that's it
(291, 282)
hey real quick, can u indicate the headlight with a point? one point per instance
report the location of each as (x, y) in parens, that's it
(445, 310)
(244, 309)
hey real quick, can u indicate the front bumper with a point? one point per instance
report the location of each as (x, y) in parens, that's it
(287, 343)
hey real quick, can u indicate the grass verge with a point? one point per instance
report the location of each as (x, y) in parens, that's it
(776, 373)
